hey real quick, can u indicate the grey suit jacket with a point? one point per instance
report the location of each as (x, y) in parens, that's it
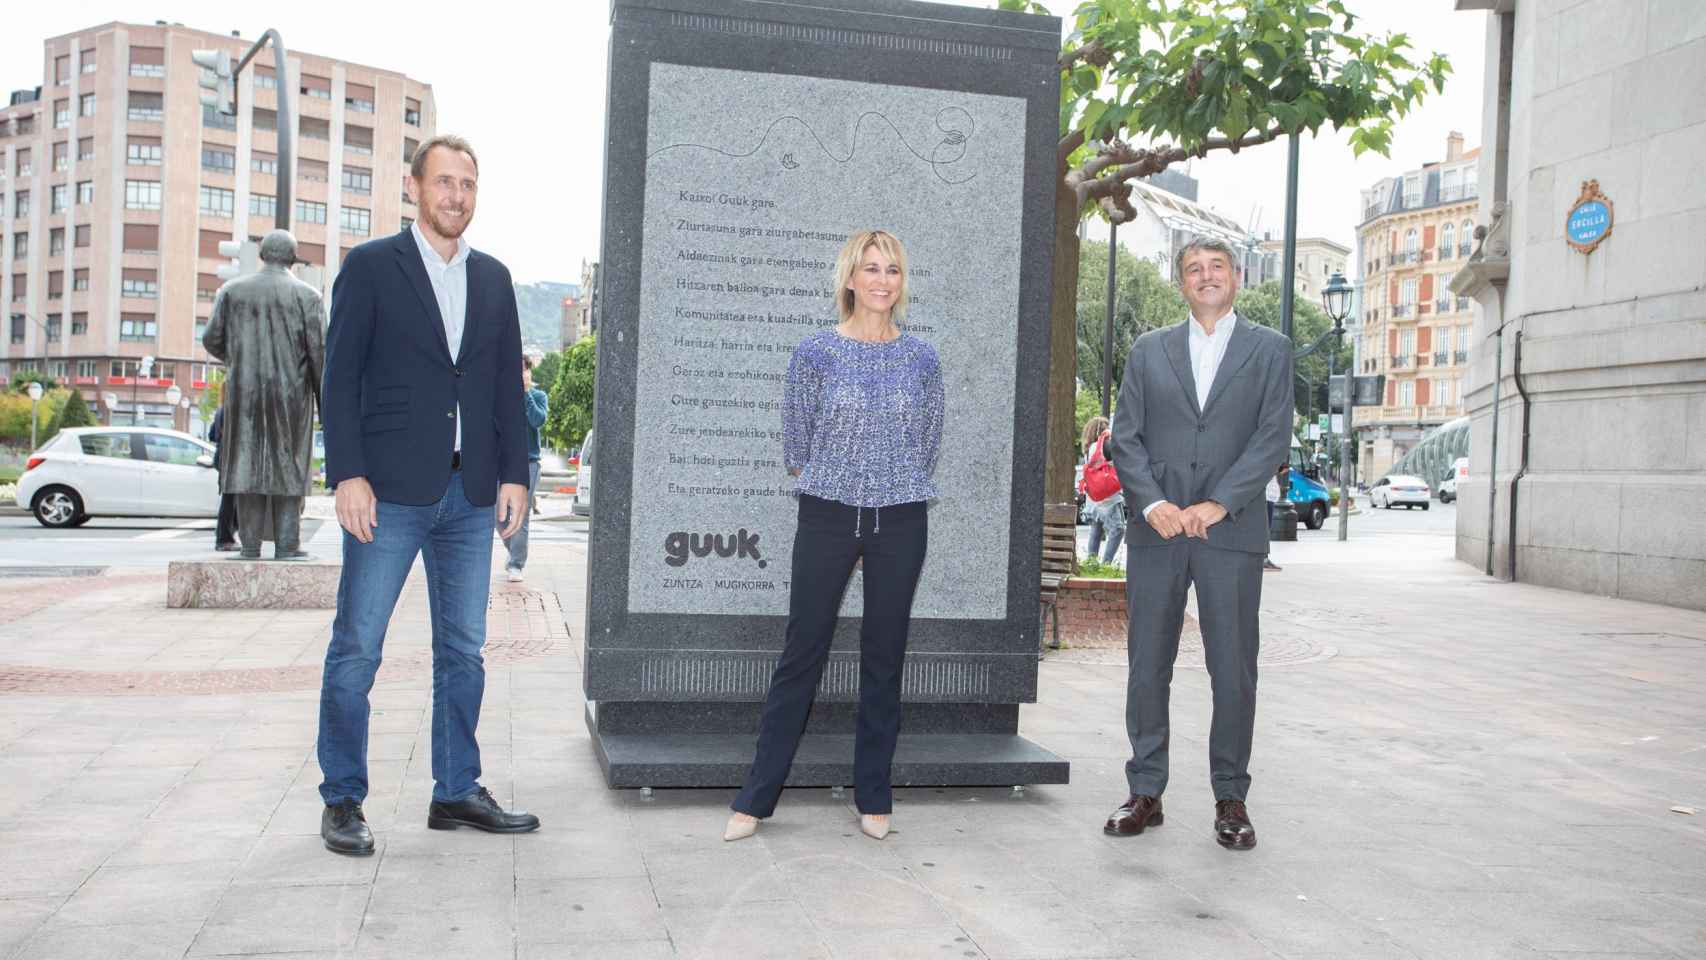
(1164, 448)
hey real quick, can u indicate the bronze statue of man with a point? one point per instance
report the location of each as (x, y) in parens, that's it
(269, 328)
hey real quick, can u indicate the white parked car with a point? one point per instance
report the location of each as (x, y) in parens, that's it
(119, 471)
(582, 505)
(1400, 490)
(1448, 486)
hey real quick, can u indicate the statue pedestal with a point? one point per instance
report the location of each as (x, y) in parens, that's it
(252, 584)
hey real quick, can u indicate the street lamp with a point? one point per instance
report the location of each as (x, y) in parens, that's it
(1336, 300)
(35, 397)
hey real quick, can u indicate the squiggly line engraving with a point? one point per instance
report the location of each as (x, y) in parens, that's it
(955, 123)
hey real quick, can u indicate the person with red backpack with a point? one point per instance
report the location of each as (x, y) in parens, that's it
(1101, 488)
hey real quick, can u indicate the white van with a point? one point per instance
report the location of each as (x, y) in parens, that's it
(582, 505)
(1458, 472)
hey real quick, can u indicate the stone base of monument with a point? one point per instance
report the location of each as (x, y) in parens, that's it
(678, 744)
(253, 584)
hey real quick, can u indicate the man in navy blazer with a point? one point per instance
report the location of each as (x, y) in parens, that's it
(425, 433)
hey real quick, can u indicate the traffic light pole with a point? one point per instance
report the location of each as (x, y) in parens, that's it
(286, 167)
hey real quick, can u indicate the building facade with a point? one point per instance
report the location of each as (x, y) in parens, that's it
(1417, 232)
(1587, 393)
(1317, 260)
(118, 186)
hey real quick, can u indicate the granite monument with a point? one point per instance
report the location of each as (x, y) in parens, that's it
(745, 141)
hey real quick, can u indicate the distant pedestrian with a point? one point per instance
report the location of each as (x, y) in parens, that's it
(1101, 488)
(536, 406)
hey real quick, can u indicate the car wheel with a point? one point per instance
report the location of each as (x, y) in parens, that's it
(1317, 516)
(57, 507)
(1425, 506)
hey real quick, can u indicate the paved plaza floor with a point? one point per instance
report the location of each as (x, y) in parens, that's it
(1445, 767)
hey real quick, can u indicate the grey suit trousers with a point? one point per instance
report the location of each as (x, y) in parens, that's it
(1229, 599)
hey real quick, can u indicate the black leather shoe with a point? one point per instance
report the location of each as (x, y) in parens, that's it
(1138, 813)
(344, 828)
(1232, 827)
(481, 812)
(226, 547)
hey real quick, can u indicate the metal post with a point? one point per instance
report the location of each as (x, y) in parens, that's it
(1108, 324)
(286, 94)
(1327, 434)
(1344, 464)
(33, 402)
(1290, 268)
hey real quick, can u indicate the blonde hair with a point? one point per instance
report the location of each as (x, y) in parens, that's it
(848, 261)
(1093, 428)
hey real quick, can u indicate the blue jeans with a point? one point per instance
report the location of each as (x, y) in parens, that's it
(454, 537)
(1107, 519)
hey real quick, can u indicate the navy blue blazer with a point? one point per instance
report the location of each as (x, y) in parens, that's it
(391, 389)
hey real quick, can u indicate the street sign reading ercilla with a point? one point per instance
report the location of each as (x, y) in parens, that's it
(1590, 219)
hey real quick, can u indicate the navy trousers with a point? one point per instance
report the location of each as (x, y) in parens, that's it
(830, 538)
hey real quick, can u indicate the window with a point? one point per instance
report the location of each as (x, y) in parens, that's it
(80, 279)
(265, 79)
(85, 368)
(1447, 241)
(86, 105)
(320, 88)
(314, 253)
(358, 139)
(20, 286)
(58, 369)
(147, 106)
(263, 163)
(1407, 296)
(357, 221)
(21, 204)
(141, 238)
(62, 70)
(1467, 238)
(55, 328)
(206, 286)
(218, 201)
(142, 194)
(17, 328)
(143, 152)
(20, 246)
(308, 211)
(24, 165)
(408, 222)
(263, 205)
(358, 97)
(315, 128)
(1470, 188)
(61, 156)
(87, 61)
(163, 448)
(56, 242)
(266, 119)
(147, 61)
(212, 118)
(208, 243)
(58, 198)
(80, 235)
(137, 327)
(1412, 191)
(410, 145)
(1412, 242)
(85, 149)
(313, 171)
(62, 113)
(166, 370)
(1407, 393)
(411, 116)
(1450, 185)
(56, 284)
(85, 192)
(142, 284)
(219, 159)
(115, 445)
(358, 180)
(26, 125)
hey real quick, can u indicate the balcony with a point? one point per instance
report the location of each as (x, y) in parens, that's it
(1442, 306)
(1444, 254)
(1463, 249)
(1461, 356)
(1440, 358)
(1462, 303)
(1403, 310)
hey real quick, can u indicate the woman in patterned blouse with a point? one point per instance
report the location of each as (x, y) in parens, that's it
(862, 425)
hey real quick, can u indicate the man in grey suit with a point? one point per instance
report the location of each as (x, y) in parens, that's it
(1204, 413)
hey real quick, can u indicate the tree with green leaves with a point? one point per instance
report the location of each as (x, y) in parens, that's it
(1190, 78)
(1308, 322)
(23, 378)
(545, 371)
(1143, 301)
(74, 412)
(571, 395)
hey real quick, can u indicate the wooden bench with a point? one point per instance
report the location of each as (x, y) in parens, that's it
(1060, 560)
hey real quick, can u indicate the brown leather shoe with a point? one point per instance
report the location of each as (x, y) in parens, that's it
(1232, 825)
(1133, 816)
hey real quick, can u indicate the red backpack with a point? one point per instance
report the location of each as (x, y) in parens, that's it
(1100, 480)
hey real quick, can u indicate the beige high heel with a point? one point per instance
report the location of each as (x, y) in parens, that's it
(740, 827)
(874, 826)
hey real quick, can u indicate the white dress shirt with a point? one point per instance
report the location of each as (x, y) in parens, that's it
(450, 289)
(1207, 350)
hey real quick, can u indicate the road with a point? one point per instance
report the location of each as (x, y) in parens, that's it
(1439, 520)
(27, 547)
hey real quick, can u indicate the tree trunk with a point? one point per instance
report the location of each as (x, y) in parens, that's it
(1063, 351)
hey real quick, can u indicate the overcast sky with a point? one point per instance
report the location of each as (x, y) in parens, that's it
(528, 90)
